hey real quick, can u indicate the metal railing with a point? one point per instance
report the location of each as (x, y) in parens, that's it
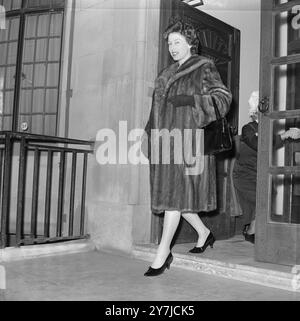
(47, 203)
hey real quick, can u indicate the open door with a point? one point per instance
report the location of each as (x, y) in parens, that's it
(219, 42)
(278, 191)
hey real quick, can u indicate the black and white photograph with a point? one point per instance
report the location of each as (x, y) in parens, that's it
(150, 153)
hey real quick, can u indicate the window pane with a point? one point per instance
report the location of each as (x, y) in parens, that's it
(2, 77)
(1, 91)
(38, 101)
(37, 124)
(12, 52)
(3, 50)
(45, 3)
(54, 49)
(27, 76)
(41, 49)
(283, 152)
(14, 29)
(30, 28)
(3, 20)
(7, 4)
(286, 84)
(10, 77)
(38, 3)
(25, 101)
(39, 75)
(285, 201)
(51, 101)
(43, 25)
(16, 4)
(28, 52)
(56, 24)
(53, 73)
(286, 34)
(8, 102)
(50, 125)
(4, 34)
(58, 3)
(7, 123)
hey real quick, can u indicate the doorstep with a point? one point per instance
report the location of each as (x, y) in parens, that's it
(9, 254)
(233, 258)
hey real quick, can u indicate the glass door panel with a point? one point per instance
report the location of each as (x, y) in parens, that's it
(283, 150)
(278, 185)
(285, 199)
(30, 79)
(286, 81)
(287, 34)
(8, 61)
(40, 73)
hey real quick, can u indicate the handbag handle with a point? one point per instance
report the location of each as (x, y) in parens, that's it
(218, 115)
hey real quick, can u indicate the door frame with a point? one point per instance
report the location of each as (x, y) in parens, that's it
(275, 242)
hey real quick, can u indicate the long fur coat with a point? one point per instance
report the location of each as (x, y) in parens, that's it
(172, 186)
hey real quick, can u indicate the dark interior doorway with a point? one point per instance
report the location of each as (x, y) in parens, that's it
(220, 42)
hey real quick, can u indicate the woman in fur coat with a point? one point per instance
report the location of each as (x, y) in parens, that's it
(181, 184)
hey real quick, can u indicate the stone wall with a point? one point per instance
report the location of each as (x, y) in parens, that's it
(113, 70)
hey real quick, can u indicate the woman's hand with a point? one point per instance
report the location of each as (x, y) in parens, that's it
(182, 100)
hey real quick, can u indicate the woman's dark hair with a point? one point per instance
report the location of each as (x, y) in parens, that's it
(186, 29)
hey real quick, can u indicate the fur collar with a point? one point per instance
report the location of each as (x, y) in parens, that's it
(193, 63)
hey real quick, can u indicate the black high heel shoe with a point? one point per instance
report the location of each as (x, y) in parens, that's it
(209, 241)
(250, 238)
(246, 228)
(154, 272)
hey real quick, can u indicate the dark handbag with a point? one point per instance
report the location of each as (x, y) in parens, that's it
(217, 135)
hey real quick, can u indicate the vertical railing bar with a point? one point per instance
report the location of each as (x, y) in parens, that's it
(6, 190)
(72, 193)
(60, 194)
(48, 194)
(35, 193)
(82, 218)
(21, 192)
